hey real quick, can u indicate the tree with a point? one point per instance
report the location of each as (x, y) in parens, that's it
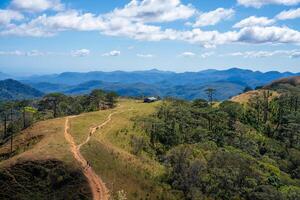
(110, 99)
(51, 101)
(247, 89)
(234, 111)
(96, 99)
(210, 94)
(200, 103)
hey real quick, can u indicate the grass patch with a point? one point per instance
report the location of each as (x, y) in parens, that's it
(22, 146)
(120, 174)
(80, 125)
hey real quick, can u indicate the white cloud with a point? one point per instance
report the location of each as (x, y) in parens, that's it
(273, 34)
(289, 14)
(37, 5)
(114, 25)
(112, 53)
(213, 17)
(44, 26)
(12, 53)
(6, 16)
(145, 55)
(188, 54)
(81, 53)
(22, 53)
(260, 3)
(153, 11)
(264, 54)
(254, 21)
(295, 55)
(207, 54)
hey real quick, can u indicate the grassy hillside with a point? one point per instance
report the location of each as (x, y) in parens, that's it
(244, 98)
(41, 166)
(111, 154)
(44, 149)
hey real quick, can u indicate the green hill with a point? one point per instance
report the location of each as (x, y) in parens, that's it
(14, 90)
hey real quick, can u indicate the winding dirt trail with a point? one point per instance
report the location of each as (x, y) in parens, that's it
(99, 190)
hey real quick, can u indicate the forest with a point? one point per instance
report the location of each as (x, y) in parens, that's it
(227, 150)
(20, 114)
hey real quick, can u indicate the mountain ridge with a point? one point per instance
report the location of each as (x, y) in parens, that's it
(186, 85)
(14, 90)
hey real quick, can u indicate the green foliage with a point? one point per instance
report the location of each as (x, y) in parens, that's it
(17, 115)
(229, 151)
(49, 179)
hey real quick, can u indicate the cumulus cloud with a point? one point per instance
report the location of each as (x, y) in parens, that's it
(153, 11)
(81, 53)
(260, 3)
(264, 54)
(295, 55)
(132, 22)
(254, 21)
(145, 55)
(188, 54)
(213, 17)
(289, 14)
(44, 25)
(6, 16)
(37, 5)
(272, 34)
(112, 53)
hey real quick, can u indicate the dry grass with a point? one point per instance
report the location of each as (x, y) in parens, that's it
(245, 97)
(51, 146)
(109, 152)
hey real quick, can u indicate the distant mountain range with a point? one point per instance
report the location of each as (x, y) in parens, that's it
(188, 85)
(12, 90)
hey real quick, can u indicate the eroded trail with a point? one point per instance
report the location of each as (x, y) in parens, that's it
(99, 190)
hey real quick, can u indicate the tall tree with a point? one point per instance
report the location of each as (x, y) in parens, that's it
(51, 102)
(210, 94)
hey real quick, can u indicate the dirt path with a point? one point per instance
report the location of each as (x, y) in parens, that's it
(99, 190)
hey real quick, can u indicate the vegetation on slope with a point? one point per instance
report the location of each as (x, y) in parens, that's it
(112, 156)
(175, 149)
(43, 179)
(229, 151)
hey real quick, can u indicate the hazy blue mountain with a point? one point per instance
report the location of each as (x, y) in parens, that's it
(4, 76)
(240, 76)
(72, 78)
(188, 85)
(13, 90)
(48, 87)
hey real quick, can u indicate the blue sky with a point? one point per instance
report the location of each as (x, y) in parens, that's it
(52, 36)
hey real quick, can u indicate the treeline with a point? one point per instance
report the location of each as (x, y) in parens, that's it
(227, 151)
(18, 115)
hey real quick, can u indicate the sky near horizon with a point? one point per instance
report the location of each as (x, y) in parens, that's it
(53, 36)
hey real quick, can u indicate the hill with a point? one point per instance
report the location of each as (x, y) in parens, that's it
(130, 161)
(294, 81)
(188, 85)
(4, 76)
(44, 151)
(13, 90)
